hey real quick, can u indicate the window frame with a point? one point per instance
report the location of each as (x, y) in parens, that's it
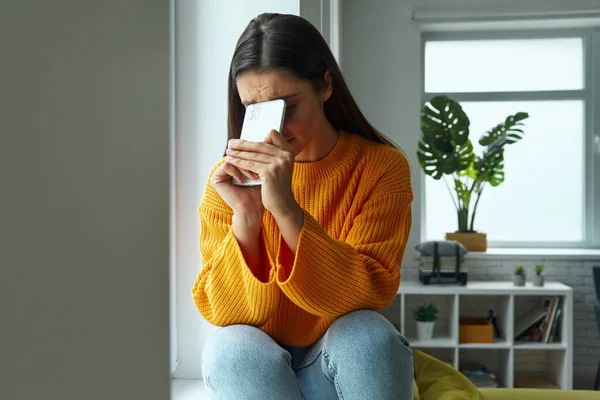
(590, 94)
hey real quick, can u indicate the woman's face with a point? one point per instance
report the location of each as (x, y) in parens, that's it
(306, 128)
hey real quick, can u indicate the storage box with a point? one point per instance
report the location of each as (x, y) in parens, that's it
(475, 330)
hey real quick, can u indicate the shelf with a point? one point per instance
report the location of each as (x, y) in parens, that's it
(477, 305)
(553, 365)
(440, 343)
(444, 333)
(534, 381)
(483, 288)
(497, 361)
(498, 344)
(539, 346)
(508, 359)
(529, 309)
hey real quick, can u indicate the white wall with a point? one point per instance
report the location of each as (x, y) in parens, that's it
(516, 5)
(84, 172)
(380, 61)
(205, 45)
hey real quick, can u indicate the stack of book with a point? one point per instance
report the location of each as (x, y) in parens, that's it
(479, 375)
(542, 324)
(447, 264)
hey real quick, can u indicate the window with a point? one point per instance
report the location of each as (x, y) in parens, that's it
(551, 193)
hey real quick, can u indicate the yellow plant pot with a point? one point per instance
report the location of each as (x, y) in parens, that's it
(473, 241)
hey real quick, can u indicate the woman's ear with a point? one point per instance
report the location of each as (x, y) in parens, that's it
(327, 87)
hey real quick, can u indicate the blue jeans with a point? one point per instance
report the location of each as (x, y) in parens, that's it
(361, 357)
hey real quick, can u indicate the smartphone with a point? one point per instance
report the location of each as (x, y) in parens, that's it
(259, 120)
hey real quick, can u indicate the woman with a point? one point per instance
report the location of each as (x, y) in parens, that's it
(294, 269)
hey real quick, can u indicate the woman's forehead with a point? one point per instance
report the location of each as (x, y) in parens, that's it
(255, 87)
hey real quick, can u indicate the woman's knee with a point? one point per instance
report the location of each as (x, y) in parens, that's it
(237, 348)
(366, 356)
(366, 330)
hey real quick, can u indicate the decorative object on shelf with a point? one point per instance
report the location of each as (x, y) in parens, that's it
(425, 316)
(442, 262)
(479, 375)
(538, 278)
(519, 277)
(491, 318)
(446, 150)
(541, 324)
(475, 330)
(473, 241)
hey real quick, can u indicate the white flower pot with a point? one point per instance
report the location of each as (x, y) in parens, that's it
(519, 280)
(425, 330)
(538, 280)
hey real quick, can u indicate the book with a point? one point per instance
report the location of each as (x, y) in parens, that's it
(444, 262)
(479, 375)
(529, 320)
(541, 324)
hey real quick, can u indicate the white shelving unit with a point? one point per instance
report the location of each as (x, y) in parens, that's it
(505, 357)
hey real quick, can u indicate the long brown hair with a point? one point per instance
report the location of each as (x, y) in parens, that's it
(273, 42)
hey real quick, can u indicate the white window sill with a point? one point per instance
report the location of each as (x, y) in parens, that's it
(579, 254)
(189, 389)
(530, 253)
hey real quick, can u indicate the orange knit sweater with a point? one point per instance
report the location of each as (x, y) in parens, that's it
(357, 218)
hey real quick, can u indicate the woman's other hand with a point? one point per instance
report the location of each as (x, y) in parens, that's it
(247, 211)
(244, 201)
(273, 161)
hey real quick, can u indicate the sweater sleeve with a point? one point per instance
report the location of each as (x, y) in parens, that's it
(329, 277)
(226, 291)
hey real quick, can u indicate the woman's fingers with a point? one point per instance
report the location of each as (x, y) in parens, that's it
(260, 158)
(234, 172)
(239, 174)
(250, 174)
(252, 166)
(272, 168)
(253, 147)
(230, 169)
(250, 156)
(277, 140)
(261, 152)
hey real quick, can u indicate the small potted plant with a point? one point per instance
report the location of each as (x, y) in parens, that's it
(519, 278)
(538, 278)
(425, 315)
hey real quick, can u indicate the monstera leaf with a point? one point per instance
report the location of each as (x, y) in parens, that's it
(508, 132)
(444, 147)
(490, 166)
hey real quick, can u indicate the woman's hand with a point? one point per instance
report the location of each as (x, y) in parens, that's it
(244, 201)
(273, 161)
(247, 211)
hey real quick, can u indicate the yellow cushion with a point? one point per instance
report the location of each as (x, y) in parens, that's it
(415, 390)
(437, 380)
(538, 394)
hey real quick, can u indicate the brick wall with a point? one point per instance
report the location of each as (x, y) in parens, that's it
(576, 274)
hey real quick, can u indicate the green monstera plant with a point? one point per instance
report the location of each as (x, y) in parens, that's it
(446, 151)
